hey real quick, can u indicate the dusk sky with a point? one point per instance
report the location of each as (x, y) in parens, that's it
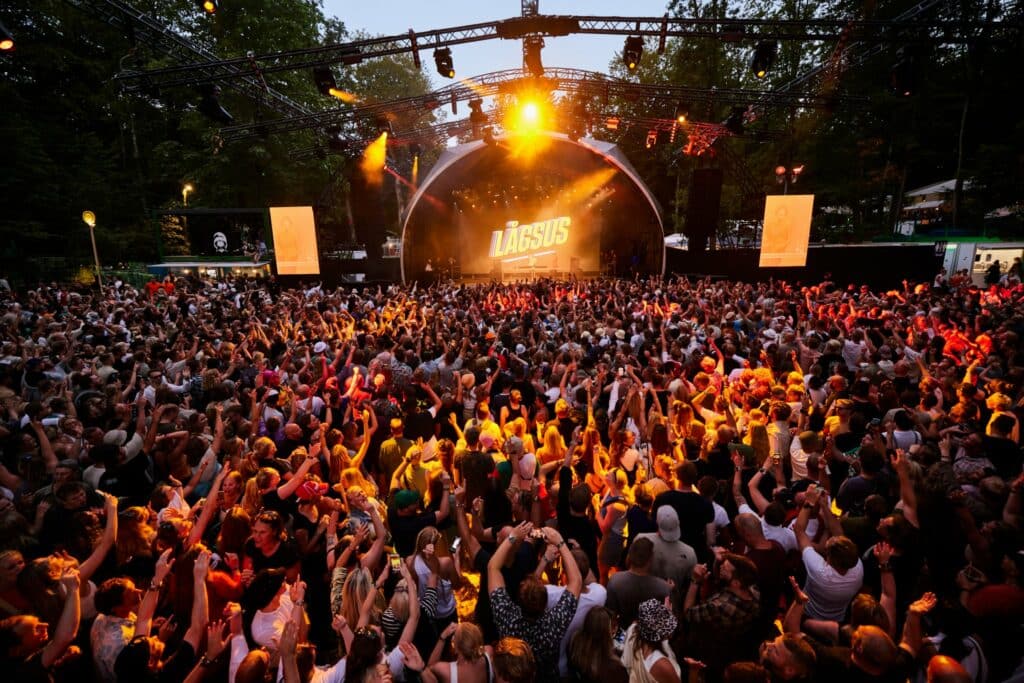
(580, 52)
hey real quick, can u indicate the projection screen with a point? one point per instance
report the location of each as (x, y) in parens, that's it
(295, 249)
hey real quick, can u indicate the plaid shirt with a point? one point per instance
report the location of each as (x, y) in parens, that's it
(726, 612)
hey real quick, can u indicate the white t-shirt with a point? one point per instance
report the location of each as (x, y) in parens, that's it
(267, 627)
(829, 591)
(594, 596)
(781, 535)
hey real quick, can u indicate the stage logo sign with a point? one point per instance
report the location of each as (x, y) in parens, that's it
(526, 239)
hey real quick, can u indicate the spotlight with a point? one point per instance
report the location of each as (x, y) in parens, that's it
(477, 117)
(633, 52)
(323, 76)
(682, 112)
(531, 57)
(6, 40)
(210, 105)
(529, 114)
(734, 124)
(208, 6)
(763, 58)
(443, 62)
(652, 139)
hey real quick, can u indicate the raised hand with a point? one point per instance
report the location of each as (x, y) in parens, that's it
(297, 592)
(412, 657)
(202, 564)
(798, 593)
(924, 604)
(163, 566)
(883, 552)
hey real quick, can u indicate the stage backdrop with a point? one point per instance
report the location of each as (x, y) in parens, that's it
(525, 241)
(787, 228)
(295, 250)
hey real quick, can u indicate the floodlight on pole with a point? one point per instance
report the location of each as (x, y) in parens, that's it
(89, 218)
(185, 191)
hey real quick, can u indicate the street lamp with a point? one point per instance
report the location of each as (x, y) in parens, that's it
(784, 176)
(89, 218)
(185, 191)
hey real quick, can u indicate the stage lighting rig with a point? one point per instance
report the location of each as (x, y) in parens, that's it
(763, 58)
(443, 62)
(477, 117)
(734, 124)
(211, 107)
(633, 52)
(531, 56)
(6, 40)
(208, 6)
(904, 71)
(323, 76)
(682, 112)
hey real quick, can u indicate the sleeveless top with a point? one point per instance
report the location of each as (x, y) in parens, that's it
(445, 594)
(453, 675)
(619, 526)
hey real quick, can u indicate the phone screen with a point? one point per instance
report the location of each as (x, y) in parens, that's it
(396, 561)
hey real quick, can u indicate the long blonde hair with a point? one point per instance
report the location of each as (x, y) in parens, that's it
(357, 586)
(554, 445)
(468, 641)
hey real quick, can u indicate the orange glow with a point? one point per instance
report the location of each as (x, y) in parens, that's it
(415, 170)
(346, 97)
(475, 87)
(6, 44)
(374, 158)
(209, 6)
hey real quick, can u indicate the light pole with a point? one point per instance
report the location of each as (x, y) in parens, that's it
(89, 218)
(185, 192)
(784, 176)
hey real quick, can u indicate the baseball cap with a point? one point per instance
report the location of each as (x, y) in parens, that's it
(405, 498)
(311, 489)
(320, 347)
(668, 524)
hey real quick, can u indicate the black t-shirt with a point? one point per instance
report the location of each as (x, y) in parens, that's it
(405, 528)
(419, 425)
(695, 513)
(132, 480)
(285, 557)
(283, 506)
(583, 530)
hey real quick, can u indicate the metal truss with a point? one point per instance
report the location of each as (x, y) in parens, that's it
(729, 30)
(576, 82)
(146, 30)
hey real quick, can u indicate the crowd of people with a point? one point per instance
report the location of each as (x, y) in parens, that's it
(655, 479)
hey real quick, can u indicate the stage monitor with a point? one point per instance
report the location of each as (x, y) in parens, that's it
(295, 249)
(787, 230)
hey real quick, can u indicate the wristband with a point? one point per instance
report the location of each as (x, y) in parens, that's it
(809, 506)
(559, 545)
(763, 470)
(156, 586)
(512, 538)
(205, 661)
(884, 567)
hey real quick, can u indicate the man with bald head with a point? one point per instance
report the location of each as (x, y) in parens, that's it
(943, 669)
(770, 559)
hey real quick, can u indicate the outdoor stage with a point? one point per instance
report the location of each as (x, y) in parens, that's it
(528, 207)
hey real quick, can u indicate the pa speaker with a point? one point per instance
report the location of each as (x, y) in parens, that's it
(702, 207)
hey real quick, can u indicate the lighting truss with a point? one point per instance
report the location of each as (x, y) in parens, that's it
(146, 30)
(516, 28)
(576, 82)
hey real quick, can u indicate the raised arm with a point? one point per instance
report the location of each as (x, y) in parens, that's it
(495, 579)
(144, 622)
(292, 485)
(70, 617)
(209, 507)
(907, 494)
(95, 559)
(200, 605)
(372, 557)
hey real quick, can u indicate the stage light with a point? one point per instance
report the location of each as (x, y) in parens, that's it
(633, 52)
(652, 139)
(6, 40)
(374, 159)
(323, 76)
(734, 124)
(477, 117)
(210, 105)
(531, 57)
(763, 58)
(779, 172)
(529, 115)
(443, 62)
(682, 111)
(208, 6)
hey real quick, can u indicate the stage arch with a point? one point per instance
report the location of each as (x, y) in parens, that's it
(528, 207)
